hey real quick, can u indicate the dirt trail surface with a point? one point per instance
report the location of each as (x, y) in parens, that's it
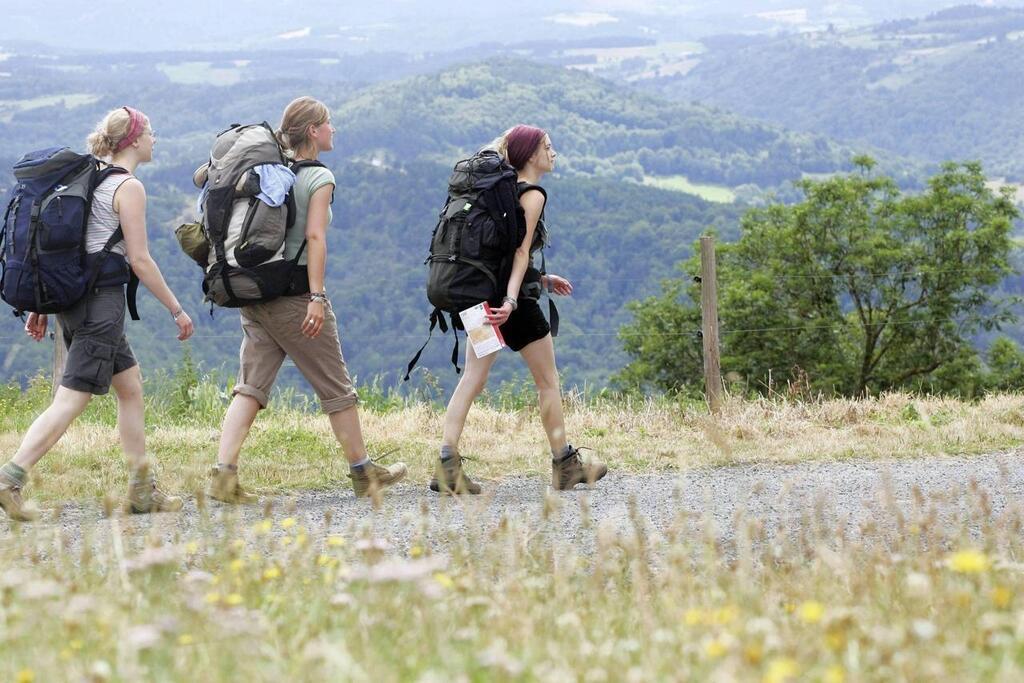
(861, 497)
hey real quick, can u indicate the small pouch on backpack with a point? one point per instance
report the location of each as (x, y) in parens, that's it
(192, 239)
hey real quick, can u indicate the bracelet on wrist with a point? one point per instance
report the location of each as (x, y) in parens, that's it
(511, 301)
(177, 313)
(318, 296)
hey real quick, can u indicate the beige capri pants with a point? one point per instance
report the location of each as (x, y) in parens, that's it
(272, 331)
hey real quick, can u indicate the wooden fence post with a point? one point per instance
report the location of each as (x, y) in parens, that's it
(709, 318)
(59, 353)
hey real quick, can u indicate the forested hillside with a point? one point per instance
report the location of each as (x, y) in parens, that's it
(942, 87)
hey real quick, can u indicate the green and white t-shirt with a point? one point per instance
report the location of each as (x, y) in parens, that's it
(308, 181)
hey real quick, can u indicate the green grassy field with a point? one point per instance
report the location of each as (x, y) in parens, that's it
(678, 183)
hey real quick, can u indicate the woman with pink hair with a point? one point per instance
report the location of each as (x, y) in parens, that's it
(527, 149)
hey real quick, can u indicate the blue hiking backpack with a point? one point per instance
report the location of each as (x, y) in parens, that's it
(45, 268)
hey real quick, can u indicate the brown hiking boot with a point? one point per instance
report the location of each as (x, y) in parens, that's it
(371, 477)
(17, 509)
(144, 496)
(449, 478)
(224, 487)
(572, 470)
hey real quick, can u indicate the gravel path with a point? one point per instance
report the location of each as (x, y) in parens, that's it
(863, 496)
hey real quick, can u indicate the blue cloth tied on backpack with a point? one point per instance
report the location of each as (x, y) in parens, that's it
(276, 181)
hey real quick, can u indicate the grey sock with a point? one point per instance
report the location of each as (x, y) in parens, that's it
(13, 475)
(226, 467)
(561, 454)
(361, 464)
(448, 452)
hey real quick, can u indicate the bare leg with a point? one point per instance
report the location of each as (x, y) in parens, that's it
(474, 378)
(50, 426)
(349, 433)
(237, 423)
(540, 358)
(131, 416)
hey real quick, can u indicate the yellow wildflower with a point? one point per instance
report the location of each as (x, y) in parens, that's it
(325, 560)
(781, 669)
(263, 527)
(237, 565)
(301, 539)
(726, 615)
(26, 676)
(211, 598)
(66, 654)
(1001, 597)
(834, 674)
(715, 648)
(234, 599)
(693, 617)
(191, 547)
(753, 653)
(415, 551)
(969, 562)
(335, 541)
(812, 611)
(444, 579)
(287, 540)
(185, 639)
(238, 544)
(76, 644)
(271, 573)
(288, 522)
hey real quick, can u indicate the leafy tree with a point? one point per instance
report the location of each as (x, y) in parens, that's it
(860, 286)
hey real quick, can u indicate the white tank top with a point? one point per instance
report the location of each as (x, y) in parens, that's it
(103, 219)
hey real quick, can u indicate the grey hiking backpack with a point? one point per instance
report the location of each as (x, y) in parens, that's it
(245, 263)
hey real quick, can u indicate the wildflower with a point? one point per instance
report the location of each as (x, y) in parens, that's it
(185, 639)
(237, 565)
(287, 540)
(415, 551)
(66, 655)
(753, 653)
(811, 611)
(726, 615)
(301, 539)
(1001, 597)
(288, 522)
(234, 599)
(238, 544)
(271, 573)
(335, 541)
(444, 580)
(324, 560)
(969, 562)
(781, 669)
(25, 676)
(715, 648)
(75, 644)
(834, 674)
(263, 527)
(212, 598)
(191, 547)
(693, 617)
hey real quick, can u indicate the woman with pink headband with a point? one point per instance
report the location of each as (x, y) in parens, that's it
(98, 354)
(528, 149)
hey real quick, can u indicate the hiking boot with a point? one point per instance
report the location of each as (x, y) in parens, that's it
(144, 497)
(371, 477)
(17, 509)
(449, 478)
(224, 487)
(572, 469)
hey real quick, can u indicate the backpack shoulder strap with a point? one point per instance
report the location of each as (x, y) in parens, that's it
(525, 187)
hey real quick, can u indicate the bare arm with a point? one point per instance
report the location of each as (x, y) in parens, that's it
(316, 256)
(130, 205)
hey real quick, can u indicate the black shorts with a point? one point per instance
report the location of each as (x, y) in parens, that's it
(93, 332)
(526, 325)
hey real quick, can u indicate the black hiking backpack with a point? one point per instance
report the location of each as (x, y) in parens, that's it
(473, 243)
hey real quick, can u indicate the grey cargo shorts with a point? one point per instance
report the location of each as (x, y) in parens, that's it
(93, 333)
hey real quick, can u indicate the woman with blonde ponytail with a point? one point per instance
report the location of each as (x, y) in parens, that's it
(98, 354)
(300, 325)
